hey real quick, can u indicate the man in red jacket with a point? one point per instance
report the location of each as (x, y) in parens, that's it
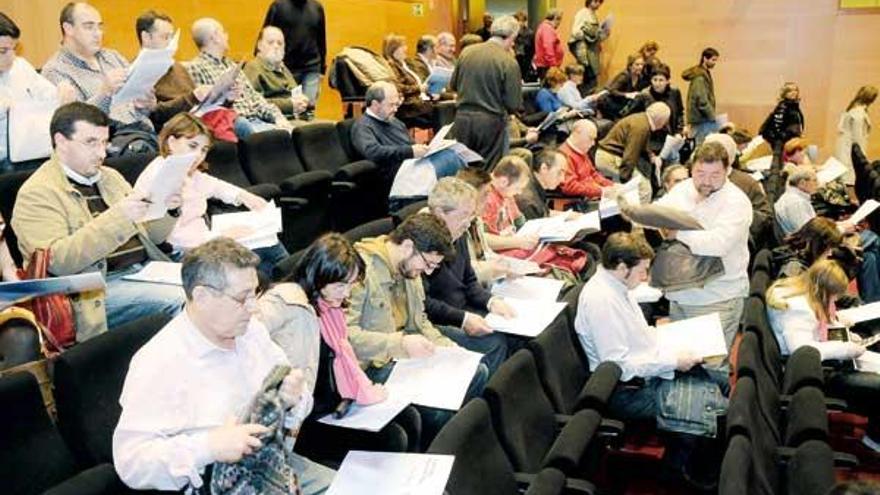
(581, 176)
(548, 46)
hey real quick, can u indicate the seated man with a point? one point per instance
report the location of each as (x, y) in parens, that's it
(445, 51)
(271, 78)
(672, 175)
(254, 112)
(88, 218)
(611, 327)
(186, 387)
(97, 73)
(381, 137)
(386, 312)
(455, 299)
(794, 209)
(621, 153)
(581, 177)
(548, 171)
(422, 63)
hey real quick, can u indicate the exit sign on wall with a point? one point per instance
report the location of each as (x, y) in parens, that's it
(418, 9)
(859, 4)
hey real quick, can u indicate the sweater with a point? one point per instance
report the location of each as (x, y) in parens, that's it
(487, 80)
(305, 33)
(453, 289)
(628, 139)
(386, 142)
(581, 176)
(174, 94)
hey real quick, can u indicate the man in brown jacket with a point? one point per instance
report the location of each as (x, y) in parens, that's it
(87, 216)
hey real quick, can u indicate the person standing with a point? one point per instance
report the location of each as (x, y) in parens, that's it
(853, 128)
(587, 35)
(548, 46)
(488, 84)
(700, 114)
(305, 42)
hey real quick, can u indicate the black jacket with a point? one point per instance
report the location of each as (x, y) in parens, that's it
(784, 123)
(305, 33)
(453, 289)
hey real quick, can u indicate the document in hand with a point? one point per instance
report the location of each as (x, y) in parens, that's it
(869, 361)
(866, 209)
(532, 317)
(440, 143)
(702, 336)
(19, 291)
(831, 169)
(858, 314)
(162, 178)
(440, 380)
(369, 418)
(551, 119)
(158, 272)
(630, 191)
(146, 70)
(254, 229)
(671, 145)
(438, 80)
(217, 96)
(532, 288)
(392, 473)
(558, 229)
(760, 164)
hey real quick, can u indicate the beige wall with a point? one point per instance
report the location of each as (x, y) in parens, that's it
(763, 43)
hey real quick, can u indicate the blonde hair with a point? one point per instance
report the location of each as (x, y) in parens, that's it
(789, 86)
(820, 284)
(450, 194)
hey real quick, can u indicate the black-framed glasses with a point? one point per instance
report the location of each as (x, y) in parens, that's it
(240, 301)
(430, 265)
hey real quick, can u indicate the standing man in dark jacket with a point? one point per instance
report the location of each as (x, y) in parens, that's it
(305, 42)
(701, 96)
(488, 84)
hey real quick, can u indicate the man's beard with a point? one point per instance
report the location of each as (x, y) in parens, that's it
(706, 191)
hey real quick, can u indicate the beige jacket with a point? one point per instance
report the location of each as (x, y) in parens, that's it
(371, 329)
(293, 325)
(49, 213)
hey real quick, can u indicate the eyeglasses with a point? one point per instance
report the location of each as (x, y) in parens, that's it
(250, 297)
(430, 265)
(93, 143)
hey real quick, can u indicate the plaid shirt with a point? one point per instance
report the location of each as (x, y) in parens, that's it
(207, 69)
(65, 66)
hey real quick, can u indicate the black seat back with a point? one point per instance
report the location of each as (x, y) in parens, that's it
(343, 128)
(562, 371)
(810, 471)
(803, 369)
(319, 147)
(9, 185)
(223, 163)
(269, 157)
(375, 228)
(736, 468)
(130, 165)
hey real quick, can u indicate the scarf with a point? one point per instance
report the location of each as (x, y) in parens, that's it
(351, 381)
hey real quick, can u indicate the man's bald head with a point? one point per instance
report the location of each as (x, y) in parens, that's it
(204, 31)
(583, 135)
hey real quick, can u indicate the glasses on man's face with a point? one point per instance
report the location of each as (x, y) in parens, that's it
(250, 297)
(429, 265)
(93, 143)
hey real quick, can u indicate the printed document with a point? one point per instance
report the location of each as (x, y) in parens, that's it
(369, 418)
(702, 335)
(440, 380)
(558, 228)
(532, 317)
(158, 272)
(532, 288)
(254, 229)
(162, 178)
(392, 473)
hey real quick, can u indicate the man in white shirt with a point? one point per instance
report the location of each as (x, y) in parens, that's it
(188, 385)
(725, 213)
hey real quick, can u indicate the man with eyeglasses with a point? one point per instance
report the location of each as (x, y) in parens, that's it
(187, 388)
(88, 219)
(386, 312)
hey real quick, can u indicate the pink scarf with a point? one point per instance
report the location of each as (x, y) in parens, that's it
(351, 380)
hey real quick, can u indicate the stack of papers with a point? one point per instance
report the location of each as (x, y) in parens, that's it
(369, 418)
(392, 473)
(146, 70)
(18, 291)
(630, 191)
(530, 288)
(440, 380)
(440, 143)
(558, 228)
(702, 336)
(830, 170)
(760, 164)
(162, 178)
(158, 272)
(217, 96)
(254, 229)
(866, 209)
(532, 317)
(438, 80)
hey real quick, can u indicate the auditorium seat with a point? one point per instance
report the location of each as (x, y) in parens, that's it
(10, 183)
(285, 268)
(374, 228)
(224, 164)
(130, 165)
(810, 471)
(736, 468)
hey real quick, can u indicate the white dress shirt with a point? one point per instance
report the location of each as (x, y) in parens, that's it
(180, 386)
(611, 327)
(793, 210)
(725, 216)
(798, 326)
(20, 83)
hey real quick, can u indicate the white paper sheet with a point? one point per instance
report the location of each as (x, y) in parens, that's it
(217, 96)
(260, 226)
(392, 474)
(758, 176)
(162, 178)
(722, 119)
(644, 293)
(14, 292)
(703, 336)
(869, 361)
(671, 145)
(369, 418)
(532, 317)
(440, 380)
(28, 129)
(858, 314)
(146, 70)
(532, 288)
(760, 164)
(630, 191)
(558, 229)
(866, 209)
(438, 79)
(520, 267)
(158, 272)
(831, 169)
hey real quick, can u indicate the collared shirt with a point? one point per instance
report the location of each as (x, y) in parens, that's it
(21, 83)
(207, 69)
(64, 65)
(726, 216)
(571, 97)
(178, 388)
(611, 327)
(793, 210)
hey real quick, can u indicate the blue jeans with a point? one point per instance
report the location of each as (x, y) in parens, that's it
(314, 478)
(269, 257)
(127, 301)
(311, 85)
(446, 163)
(244, 127)
(869, 271)
(493, 346)
(703, 129)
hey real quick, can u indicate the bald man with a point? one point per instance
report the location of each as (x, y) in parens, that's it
(271, 78)
(581, 177)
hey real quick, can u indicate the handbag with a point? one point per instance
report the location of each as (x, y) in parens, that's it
(54, 313)
(676, 268)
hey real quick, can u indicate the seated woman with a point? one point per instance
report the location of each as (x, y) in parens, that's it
(547, 99)
(801, 309)
(570, 95)
(415, 110)
(812, 242)
(304, 316)
(623, 88)
(184, 134)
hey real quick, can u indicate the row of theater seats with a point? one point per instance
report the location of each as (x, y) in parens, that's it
(777, 422)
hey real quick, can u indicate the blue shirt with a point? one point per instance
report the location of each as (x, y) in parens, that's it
(547, 101)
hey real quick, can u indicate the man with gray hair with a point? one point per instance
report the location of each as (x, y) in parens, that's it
(445, 50)
(254, 112)
(488, 84)
(188, 384)
(455, 300)
(271, 78)
(793, 208)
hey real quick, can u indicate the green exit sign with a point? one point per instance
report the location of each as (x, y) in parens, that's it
(418, 9)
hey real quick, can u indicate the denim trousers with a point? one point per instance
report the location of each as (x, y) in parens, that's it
(244, 126)
(127, 301)
(311, 86)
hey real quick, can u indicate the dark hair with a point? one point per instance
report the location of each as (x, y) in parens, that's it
(8, 27)
(147, 20)
(427, 232)
(708, 53)
(474, 176)
(510, 166)
(66, 116)
(662, 70)
(712, 152)
(376, 92)
(814, 238)
(330, 259)
(206, 264)
(626, 248)
(425, 43)
(66, 15)
(574, 70)
(548, 156)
